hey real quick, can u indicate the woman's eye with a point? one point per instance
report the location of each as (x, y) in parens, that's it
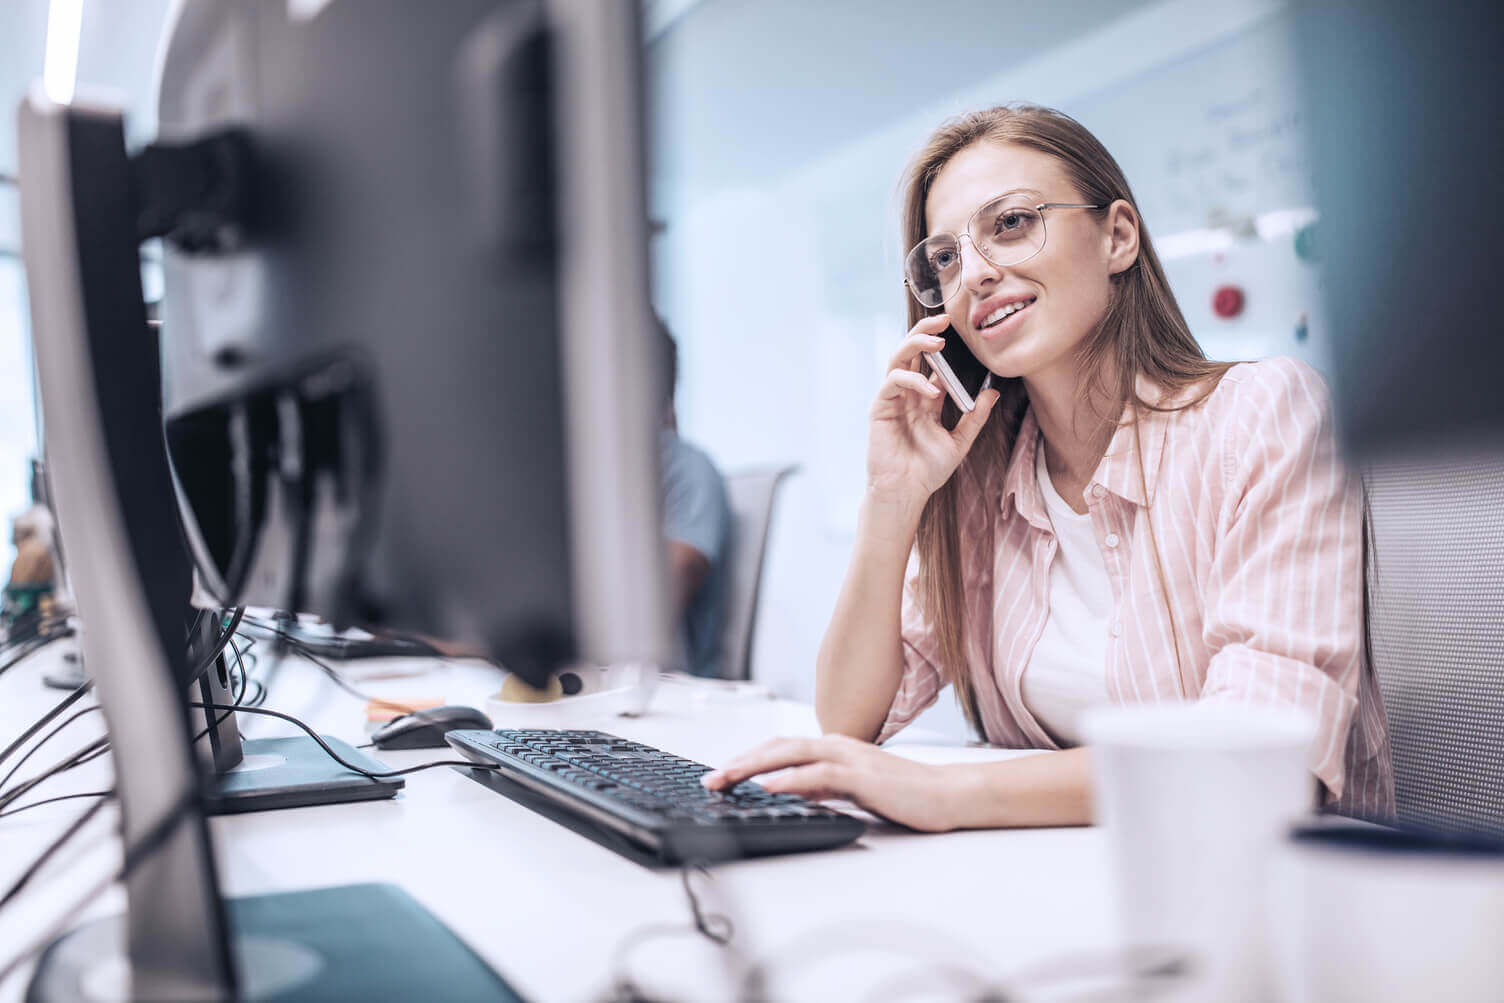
(1012, 224)
(941, 260)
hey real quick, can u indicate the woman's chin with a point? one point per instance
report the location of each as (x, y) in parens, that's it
(1009, 363)
(1020, 358)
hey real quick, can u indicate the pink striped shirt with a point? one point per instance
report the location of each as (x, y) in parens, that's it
(1259, 527)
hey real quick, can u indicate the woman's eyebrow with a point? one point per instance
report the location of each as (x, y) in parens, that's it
(1034, 192)
(1018, 191)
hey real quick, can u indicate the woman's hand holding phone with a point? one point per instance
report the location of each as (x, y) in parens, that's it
(910, 454)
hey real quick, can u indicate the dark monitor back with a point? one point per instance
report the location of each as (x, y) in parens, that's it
(1403, 102)
(365, 406)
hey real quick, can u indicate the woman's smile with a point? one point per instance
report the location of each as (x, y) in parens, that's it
(1000, 316)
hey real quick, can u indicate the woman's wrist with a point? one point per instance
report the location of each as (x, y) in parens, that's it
(891, 518)
(1046, 789)
(968, 799)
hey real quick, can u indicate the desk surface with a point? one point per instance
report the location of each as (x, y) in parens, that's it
(550, 909)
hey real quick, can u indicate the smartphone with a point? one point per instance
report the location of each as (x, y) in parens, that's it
(962, 376)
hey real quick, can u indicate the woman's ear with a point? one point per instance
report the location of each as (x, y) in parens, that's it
(1122, 237)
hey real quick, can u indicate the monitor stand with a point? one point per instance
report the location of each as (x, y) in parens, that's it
(365, 942)
(294, 772)
(100, 383)
(263, 774)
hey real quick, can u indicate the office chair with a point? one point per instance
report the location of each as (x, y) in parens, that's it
(750, 494)
(1436, 623)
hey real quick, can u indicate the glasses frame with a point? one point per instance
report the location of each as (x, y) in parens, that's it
(1044, 226)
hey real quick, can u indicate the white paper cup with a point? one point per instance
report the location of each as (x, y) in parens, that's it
(1195, 798)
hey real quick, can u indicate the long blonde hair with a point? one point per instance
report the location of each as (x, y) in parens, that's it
(1143, 333)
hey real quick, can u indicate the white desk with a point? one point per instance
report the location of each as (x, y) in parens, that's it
(549, 908)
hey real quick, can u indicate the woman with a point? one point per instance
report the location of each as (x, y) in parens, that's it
(1119, 521)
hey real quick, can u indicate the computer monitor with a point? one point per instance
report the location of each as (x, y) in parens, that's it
(363, 405)
(406, 381)
(1401, 102)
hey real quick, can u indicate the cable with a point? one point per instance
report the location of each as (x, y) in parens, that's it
(373, 774)
(344, 648)
(152, 840)
(43, 741)
(51, 851)
(60, 797)
(260, 697)
(88, 753)
(32, 626)
(338, 679)
(66, 702)
(55, 623)
(31, 646)
(225, 637)
(16, 641)
(17, 649)
(239, 698)
(715, 927)
(95, 749)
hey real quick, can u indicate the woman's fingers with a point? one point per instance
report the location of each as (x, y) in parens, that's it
(778, 754)
(938, 401)
(966, 430)
(774, 755)
(923, 337)
(902, 381)
(837, 766)
(817, 781)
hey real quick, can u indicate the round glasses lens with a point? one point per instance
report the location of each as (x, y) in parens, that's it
(1007, 232)
(934, 270)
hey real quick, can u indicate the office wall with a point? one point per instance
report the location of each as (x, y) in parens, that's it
(776, 180)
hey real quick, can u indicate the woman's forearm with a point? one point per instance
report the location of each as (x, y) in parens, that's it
(861, 658)
(1051, 788)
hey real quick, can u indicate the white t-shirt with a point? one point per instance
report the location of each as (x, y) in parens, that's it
(1068, 671)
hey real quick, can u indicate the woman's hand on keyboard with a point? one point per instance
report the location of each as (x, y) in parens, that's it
(913, 794)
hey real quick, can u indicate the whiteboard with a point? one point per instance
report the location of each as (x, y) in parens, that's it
(1211, 144)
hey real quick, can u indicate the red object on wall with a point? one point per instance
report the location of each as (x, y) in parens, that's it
(1227, 302)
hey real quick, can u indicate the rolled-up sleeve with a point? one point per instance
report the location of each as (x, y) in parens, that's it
(1283, 601)
(921, 681)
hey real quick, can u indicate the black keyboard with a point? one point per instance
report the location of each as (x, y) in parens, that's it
(654, 798)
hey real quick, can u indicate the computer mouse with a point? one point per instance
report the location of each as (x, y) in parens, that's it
(425, 729)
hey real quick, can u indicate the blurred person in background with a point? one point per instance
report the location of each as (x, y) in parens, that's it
(33, 574)
(697, 527)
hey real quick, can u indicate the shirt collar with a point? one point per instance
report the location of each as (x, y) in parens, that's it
(1118, 471)
(1021, 482)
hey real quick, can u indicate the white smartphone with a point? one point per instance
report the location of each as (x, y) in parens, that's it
(962, 376)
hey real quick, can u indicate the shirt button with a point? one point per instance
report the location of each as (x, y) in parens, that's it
(1112, 540)
(1098, 491)
(1117, 628)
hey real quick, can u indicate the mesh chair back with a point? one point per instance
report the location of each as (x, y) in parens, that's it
(1436, 623)
(750, 494)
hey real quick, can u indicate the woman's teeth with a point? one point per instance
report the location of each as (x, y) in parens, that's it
(1004, 312)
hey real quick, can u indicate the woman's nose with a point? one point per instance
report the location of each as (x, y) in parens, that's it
(977, 273)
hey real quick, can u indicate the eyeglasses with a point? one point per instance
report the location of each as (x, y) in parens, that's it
(1005, 231)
